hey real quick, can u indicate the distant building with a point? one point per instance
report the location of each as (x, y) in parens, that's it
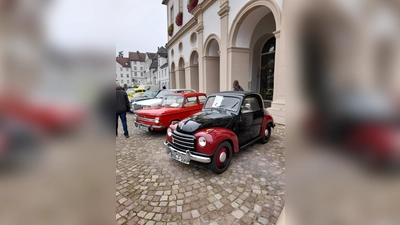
(150, 68)
(162, 70)
(130, 71)
(138, 60)
(123, 71)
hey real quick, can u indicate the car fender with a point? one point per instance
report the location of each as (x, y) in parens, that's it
(214, 137)
(267, 119)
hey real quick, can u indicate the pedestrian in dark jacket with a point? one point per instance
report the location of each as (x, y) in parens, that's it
(236, 86)
(122, 104)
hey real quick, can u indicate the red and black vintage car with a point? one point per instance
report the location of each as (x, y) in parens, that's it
(228, 122)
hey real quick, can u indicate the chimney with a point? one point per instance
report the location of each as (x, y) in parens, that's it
(137, 51)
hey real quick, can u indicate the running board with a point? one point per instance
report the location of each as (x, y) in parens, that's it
(250, 143)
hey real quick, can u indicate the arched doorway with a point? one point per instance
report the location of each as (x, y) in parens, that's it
(172, 77)
(180, 74)
(255, 30)
(267, 69)
(211, 65)
(194, 71)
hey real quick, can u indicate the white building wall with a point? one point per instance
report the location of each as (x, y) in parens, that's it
(186, 15)
(235, 6)
(212, 21)
(139, 71)
(123, 75)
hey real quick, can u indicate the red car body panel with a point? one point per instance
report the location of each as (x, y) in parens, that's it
(46, 117)
(166, 115)
(216, 137)
(267, 119)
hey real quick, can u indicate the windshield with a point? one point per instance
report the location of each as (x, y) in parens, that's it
(129, 91)
(163, 93)
(222, 102)
(150, 93)
(137, 95)
(172, 101)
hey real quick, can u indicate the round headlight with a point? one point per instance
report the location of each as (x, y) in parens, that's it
(202, 141)
(157, 120)
(169, 132)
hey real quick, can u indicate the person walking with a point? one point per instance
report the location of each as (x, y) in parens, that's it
(236, 86)
(122, 104)
(164, 87)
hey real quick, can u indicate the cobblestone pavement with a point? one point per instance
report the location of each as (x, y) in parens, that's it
(152, 188)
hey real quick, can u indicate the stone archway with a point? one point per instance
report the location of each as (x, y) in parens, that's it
(172, 77)
(212, 65)
(180, 74)
(193, 71)
(258, 69)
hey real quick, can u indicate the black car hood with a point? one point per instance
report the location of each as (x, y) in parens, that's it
(205, 119)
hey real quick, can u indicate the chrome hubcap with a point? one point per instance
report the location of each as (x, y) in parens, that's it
(266, 132)
(222, 157)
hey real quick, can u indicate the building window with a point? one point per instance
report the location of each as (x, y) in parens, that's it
(135, 68)
(127, 81)
(122, 75)
(126, 69)
(127, 75)
(268, 69)
(135, 74)
(142, 74)
(141, 68)
(121, 69)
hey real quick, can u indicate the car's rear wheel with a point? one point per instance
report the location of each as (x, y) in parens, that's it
(267, 134)
(222, 158)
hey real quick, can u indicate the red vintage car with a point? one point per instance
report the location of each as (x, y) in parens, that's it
(229, 121)
(174, 107)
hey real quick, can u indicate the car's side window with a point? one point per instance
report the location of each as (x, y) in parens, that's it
(191, 101)
(202, 99)
(250, 104)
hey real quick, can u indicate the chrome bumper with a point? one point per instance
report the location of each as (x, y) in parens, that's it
(189, 156)
(148, 126)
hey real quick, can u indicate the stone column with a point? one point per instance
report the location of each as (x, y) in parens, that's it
(277, 109)
(211, 71)
(180, 78)
(223, 48)
(192, 77)
(187, 76)
(200, 52)
(194, 71)
(239, 63)
(172, 80)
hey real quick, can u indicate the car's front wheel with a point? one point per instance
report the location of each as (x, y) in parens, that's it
(222, 158)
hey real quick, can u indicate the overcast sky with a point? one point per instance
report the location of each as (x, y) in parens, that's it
(141, 25)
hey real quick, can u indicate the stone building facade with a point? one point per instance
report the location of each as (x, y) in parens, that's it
(220, 41)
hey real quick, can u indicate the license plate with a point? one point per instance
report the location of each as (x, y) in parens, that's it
(178, 157)
(143, 128)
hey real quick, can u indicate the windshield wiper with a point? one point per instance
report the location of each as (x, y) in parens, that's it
(234, 105)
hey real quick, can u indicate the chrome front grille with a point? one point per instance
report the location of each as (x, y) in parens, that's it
(183, 142)
(145, 119)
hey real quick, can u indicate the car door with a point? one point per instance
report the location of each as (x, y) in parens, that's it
(257, 110)
(245, 123)
(251, 116)
(191, 106)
